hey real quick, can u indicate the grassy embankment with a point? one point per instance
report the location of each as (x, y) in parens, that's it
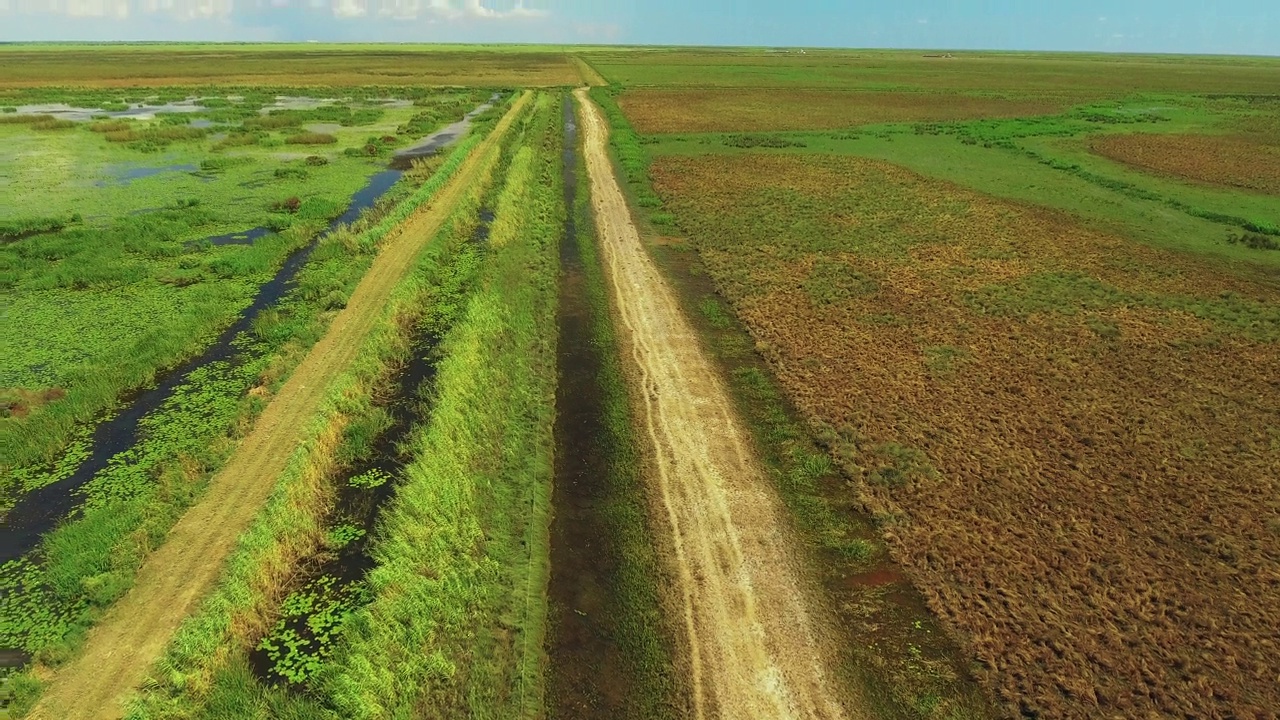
(901, 659)
(88, 563)
(466, 636)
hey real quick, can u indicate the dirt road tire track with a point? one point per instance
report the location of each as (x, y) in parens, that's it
(754, 642)
(176, 577)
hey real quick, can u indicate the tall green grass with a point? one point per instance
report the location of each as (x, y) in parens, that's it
(457, 621)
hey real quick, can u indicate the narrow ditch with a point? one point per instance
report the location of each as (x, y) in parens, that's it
(39, 511)
(588, 673)
(330, 583)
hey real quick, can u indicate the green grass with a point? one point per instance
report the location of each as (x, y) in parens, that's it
(1152, 210)
(88, 563)
(128, 251)
(467, 637)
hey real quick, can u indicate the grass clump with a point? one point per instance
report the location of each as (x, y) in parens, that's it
(762, 141)
(1254, 241)
(311, 138)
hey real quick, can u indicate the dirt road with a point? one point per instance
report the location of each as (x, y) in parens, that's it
(170, 585)
(753, 641)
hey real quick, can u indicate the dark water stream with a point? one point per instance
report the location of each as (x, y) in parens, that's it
(589, 678)
(40, 510)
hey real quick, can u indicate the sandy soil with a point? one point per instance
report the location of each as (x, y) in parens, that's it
(754, 644)
(121, 649)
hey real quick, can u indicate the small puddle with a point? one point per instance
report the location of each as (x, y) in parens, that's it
(10, 658)
(125, 174)
(589, 676)
(330, 584)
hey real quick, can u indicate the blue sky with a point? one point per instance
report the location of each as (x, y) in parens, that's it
(1195, 26)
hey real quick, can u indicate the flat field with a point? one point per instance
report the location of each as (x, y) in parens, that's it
(326, 66)
(1042, 349)
(655, 110)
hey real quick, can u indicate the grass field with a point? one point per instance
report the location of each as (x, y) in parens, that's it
(327, 66)
(1001, 330)
(1012, 335)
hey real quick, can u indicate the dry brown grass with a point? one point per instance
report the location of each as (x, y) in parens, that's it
(1241, 161)
(1082, 479)
(238, 66)
(756, 109)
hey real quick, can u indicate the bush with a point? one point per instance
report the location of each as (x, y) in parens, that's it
(112, 126)
(311, 138)
(238, 140)
(53, 124)
(1254, 241)
(218, 164)
(317, 161)
(287, 173)
(765, 141)
(289, 205)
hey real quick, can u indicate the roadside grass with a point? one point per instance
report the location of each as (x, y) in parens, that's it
(494, 407)
(87, 563)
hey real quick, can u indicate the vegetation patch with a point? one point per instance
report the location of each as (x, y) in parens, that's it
(666, 110)
(1250, 162)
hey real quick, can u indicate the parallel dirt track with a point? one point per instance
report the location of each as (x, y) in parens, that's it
(170, 585)
(755, 649)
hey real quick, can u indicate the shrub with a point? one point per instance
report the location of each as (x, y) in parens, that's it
(1254, 241)
(289, 205)
(53, 124)
(311, 138)
(111, 126)
(317, 161)
(765, 141)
